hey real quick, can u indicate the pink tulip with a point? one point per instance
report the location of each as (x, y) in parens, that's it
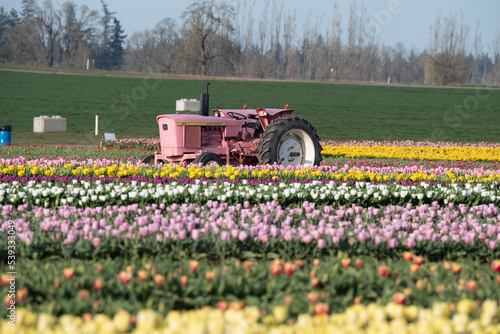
(96, 242)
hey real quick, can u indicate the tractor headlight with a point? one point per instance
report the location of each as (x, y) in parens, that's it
(265, 113)
(216, 113)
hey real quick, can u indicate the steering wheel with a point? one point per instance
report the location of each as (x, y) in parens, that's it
(236, 116)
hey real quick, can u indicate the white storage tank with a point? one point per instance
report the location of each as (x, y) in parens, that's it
(49, 124)
(187, 105)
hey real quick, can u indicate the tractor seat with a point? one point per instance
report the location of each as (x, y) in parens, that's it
(251, 125)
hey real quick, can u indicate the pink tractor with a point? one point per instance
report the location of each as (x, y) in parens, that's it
(233, 137)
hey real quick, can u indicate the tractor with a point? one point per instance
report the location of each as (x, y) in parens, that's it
(236, 137)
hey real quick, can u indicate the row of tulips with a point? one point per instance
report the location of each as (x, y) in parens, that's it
(242, 230)
(392, 318)
(386, 150)
(77, 152)
(409, 143)
(105, 169)
(119, 157)
(460, 153)
(337, 282)
(93, 193)
(151, 144)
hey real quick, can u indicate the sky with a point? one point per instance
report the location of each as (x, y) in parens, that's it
(404, 21)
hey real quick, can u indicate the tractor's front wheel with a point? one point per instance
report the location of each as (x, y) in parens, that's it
(148, 159)
(206, 158)
(290, 141)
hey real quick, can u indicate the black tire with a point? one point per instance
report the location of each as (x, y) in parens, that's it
(207, 158)
(148, 159)
(290, 140)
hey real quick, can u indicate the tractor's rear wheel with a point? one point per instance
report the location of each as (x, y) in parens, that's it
(290, 141)
(148, 159)
(206, 158)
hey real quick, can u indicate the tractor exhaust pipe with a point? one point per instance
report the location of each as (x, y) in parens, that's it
(204, 99)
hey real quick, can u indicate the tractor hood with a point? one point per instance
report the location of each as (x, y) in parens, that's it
(186, 120)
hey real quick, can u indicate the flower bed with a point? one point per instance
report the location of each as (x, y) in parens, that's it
(100, 239)
(235, 318)
(414, 150)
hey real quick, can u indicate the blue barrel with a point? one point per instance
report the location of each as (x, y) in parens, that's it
(5, 135)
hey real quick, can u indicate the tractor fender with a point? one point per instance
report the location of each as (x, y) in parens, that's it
(272, 114)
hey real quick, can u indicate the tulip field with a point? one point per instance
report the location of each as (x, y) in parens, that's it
(382, 237)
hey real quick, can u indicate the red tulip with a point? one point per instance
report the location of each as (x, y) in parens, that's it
(399, 298)
(418, 260)
(158, 279)
(315, 282)
(384, 270)
(289, 268)
(275, 270)
(414, 268)
(299, 263)
(210, 275)
(5, 279)
(142, 275)
(247, 265)
(125, 277)
(9, 301)
(194, 264)
(495, 265)
(471, 285)
(98, 284)
(345, 262)
(68, 273)
(287, 300)
(456, 268)
(321, 309)
(184, 281)
(237, 306)
(312, 297)
(222, 305)
(408, 256)
(21, 294)
(99, 268)
(87, 317)
(84, 294)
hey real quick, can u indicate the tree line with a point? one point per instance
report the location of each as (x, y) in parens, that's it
(222, 38)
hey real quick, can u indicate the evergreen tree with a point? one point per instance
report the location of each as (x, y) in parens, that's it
(29, 9)
(116, 45)
(14, 18)
(104, 53)
(4, 20)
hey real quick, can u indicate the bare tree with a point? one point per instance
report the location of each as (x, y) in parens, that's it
(49, 28)
(446, 63)
(335, 52)
(288, 48)
(167, 44)
(141, 52)
(477, 47)
(495, 48)
(79, 33)
(205, 23)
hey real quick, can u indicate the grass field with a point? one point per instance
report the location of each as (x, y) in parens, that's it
(128, 107)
